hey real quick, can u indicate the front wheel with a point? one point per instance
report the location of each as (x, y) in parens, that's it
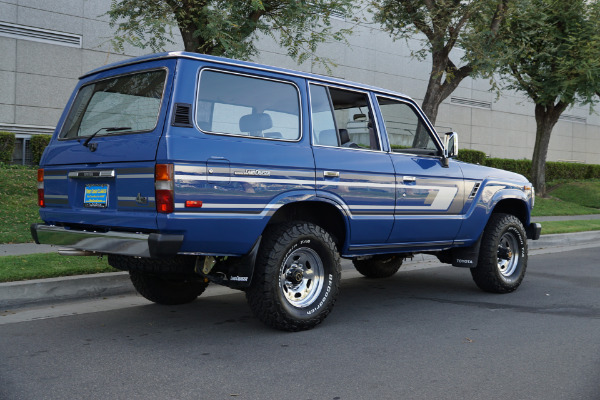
(296, 278)
(167, 290)
(380, 266)
(502, 256)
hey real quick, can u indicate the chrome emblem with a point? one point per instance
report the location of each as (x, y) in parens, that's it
(141, 200)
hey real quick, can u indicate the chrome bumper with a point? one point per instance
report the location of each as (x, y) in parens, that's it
(113, 242)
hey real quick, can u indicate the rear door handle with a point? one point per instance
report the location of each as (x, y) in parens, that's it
(331, 174)
(409, 179)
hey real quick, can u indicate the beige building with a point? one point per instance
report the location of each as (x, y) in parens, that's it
(47, 45)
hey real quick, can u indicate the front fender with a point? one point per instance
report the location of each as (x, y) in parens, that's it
(509, 197)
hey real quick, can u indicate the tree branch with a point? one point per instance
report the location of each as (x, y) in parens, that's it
(530, 91)
(420, 23)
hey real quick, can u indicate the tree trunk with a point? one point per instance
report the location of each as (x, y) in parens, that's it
(443, 80)
(545, 118)
(433, 98)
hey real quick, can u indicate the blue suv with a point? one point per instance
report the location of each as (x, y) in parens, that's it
(186, 169)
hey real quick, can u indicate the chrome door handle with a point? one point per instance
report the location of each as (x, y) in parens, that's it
(409, 179)
(331, 174)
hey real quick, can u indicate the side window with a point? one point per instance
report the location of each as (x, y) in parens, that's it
(240, 105)
(351, 122)
(404, 127)
(324, 132)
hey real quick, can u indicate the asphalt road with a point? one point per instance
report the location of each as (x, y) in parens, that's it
(422, 334)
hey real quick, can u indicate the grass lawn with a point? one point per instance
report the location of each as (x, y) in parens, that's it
(550, 227)
(569, 198)
(19, 209)
(35, 266)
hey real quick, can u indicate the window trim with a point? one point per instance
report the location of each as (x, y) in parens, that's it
(372, 109)
(422, 117)
(225, 71)
(162, 99)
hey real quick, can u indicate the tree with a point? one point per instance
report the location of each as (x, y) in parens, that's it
(228, 27)
(444, 24)
(550, 50)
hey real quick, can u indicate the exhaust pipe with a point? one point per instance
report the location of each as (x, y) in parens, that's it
(71, 252)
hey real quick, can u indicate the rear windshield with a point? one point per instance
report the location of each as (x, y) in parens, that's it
(124, 104)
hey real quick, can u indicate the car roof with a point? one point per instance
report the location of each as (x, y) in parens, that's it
(246, 64)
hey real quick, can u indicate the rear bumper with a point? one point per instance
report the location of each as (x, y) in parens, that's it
(534, 231)
(125, 243)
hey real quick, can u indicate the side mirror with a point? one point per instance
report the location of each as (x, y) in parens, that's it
(450, 144)
(450, 147)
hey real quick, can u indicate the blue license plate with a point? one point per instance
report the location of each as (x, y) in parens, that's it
(95, 196)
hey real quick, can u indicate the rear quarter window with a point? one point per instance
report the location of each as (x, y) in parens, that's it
(247, 106)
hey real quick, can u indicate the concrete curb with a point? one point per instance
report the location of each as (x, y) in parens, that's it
(565, 239)
(26, 293)
(23, 293)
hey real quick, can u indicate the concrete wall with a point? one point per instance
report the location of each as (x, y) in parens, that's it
(37, 79)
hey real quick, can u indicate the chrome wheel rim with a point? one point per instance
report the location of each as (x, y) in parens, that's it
(301, 277)
(508, 254)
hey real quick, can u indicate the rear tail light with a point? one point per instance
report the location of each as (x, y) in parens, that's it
(40, 188)
(163, 185)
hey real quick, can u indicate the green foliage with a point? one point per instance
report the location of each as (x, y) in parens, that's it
(554, 170)
(7, 146)
(553, 206)
(583, 193)
(39, 266)
(18, 192)
(471, 156)
(519, 166)
(552, 227)
(444, 25)
(38, 144)
(549, 50)
(226, 27)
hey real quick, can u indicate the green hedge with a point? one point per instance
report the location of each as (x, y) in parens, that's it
(554, 170)
(7, 146)
(38, 144)
(471, 156)
(522, 167)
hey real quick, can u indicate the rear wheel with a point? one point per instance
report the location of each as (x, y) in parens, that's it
(296, 278)
(502, 256)
(380, 266)
(168, 290)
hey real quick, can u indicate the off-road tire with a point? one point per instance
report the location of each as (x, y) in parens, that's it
(380, 266)
(503, 255)
(168, 289)
(296, 278)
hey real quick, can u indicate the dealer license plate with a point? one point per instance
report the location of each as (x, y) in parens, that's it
(95, 196)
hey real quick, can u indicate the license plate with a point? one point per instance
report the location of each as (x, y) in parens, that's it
(95, 196)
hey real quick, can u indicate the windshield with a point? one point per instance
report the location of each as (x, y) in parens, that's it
(130, 100)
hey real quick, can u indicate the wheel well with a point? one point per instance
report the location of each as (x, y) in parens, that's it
(515, 207)
(320, 213)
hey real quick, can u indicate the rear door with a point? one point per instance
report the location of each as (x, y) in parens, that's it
(99, 167)
(351, 169)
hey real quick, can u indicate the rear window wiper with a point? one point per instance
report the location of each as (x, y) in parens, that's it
(109, 129)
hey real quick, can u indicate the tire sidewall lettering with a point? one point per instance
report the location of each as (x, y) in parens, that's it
(517, 234)
(514, 231)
